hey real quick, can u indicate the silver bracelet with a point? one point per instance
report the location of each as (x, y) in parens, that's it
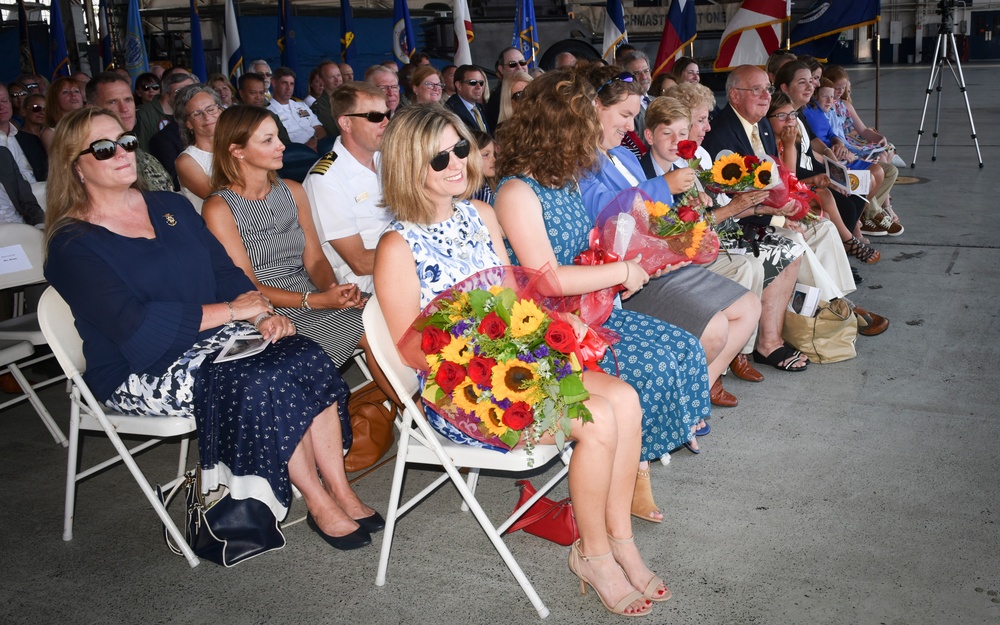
(261, 318)
(232, 313)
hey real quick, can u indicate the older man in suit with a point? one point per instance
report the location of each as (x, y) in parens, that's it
(742, 127)
(17, 203)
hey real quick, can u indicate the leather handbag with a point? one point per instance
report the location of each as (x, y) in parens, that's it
(372, 424)
(827, 337)
(227, 531)
(548, 519)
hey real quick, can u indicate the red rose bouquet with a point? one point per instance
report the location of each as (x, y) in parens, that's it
(502, 364)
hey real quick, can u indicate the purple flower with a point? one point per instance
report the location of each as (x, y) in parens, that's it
(542, 351)
(527, 358)
(563, 370)
(460, 327)
(504, 404)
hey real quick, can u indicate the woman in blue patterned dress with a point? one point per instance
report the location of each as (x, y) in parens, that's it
(155, 296)
(438, 240)
(545, 222)
(266, 226)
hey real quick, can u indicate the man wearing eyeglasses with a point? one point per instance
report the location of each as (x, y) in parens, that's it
(301, 123)
(742, 127)
(260, 66)
(509, 62)
(388, 81)
(109, 90)
(637, 64)
(17, 203)
(343, 185)
(469, 85)
(16, 142)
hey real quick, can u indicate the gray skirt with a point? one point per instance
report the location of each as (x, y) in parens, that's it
(687, 298)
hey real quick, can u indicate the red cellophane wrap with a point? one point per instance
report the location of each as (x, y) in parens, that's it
(543, 288)
(657, 252)
(790, 189)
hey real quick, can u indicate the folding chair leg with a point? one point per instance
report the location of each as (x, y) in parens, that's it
(392, 512)
(71, 464)
(472, 481)
(183, 460)
(37, 404)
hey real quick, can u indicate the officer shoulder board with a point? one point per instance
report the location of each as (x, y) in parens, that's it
(323, 165)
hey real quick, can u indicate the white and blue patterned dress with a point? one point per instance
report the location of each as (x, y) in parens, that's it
(664, 364)
(445, 254)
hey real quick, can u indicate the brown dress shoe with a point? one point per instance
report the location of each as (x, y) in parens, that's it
(722, 397)
(872, 325)
(741, 368)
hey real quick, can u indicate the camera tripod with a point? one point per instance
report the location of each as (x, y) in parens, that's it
(946, 36)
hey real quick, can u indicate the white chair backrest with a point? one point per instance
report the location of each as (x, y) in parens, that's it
(402, 377)
(59, 328)
(40, 191)
(32, 242)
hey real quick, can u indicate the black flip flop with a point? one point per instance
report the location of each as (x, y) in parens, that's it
(779, 355)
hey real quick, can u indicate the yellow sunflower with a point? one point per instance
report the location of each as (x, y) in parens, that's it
(466, 396)
(657, 209)
(434, 363)
(525, 318)
(697, 234)
(728, 169)
(458, 351)
(490, 416)
(511, 378)
(763, 175)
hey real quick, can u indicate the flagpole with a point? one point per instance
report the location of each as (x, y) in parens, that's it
(878, 70)
(788, 24)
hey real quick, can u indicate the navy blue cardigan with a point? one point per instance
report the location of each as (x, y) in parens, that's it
(137, 302)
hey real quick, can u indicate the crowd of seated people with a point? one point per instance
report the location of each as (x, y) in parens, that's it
(299, 259)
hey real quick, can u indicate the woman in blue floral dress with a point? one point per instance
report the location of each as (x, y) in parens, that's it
(545, 221)
(436, 241)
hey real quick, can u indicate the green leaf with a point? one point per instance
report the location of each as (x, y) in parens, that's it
(510, 437)
(572, 390)
(560, 439)
(478, 300)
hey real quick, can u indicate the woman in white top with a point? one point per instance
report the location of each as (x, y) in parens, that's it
(196, 109)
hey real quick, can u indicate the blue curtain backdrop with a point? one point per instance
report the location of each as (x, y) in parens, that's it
(317, 38)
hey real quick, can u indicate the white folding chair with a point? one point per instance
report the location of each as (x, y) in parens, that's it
(23, 250)
(420, 444)
(88, 414)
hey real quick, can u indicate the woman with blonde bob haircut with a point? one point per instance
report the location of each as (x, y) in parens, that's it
(155, 298)
(429, 164)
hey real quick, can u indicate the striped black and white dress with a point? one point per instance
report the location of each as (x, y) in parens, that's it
(275, 242)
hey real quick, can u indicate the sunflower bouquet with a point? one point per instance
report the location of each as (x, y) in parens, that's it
(662, 234)
(500, 366)
(734, 173)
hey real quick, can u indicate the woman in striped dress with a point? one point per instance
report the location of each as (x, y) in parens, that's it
(266, 227)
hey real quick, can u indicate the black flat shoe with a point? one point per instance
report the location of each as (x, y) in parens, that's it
(355, 540)
(372, 524)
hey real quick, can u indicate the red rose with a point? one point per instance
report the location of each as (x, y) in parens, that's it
(686, 149)
(481, 370)
(561, 337)
(449, 376)
(750, 161)
(688, 214)
(433, 340)
(492, 326)
(518, 416)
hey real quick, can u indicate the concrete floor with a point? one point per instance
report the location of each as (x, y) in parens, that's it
(860, 492)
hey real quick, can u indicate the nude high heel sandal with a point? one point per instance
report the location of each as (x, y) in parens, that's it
(652, 591)
(642, 498)
(575, 555)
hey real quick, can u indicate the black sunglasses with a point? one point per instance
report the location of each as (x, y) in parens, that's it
(474, 83)
(441, 159)
(150, 87)
(37, 108)
(374, 117)
(623, 77)
(517, 95)
(513, 64)
(103, 149)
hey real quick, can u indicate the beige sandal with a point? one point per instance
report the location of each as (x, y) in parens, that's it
(642, 498)
(575, 555)
(652, 588)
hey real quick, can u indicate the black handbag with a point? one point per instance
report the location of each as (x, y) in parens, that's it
(226, 531)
